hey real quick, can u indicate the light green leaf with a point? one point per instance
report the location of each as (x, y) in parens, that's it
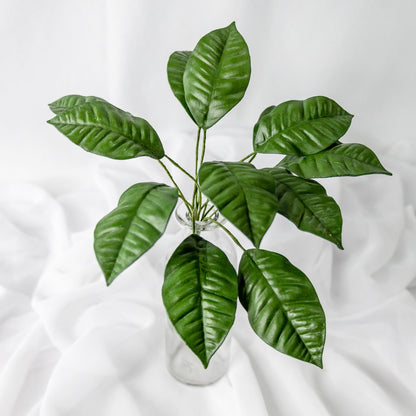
(132, 228)
(200, 293)
(99, 127)
(243, 195)
(176, 67)
(283, 307)
(306, 204)
(352, 159)
(70, 101)
(216, 75)
(301, 127)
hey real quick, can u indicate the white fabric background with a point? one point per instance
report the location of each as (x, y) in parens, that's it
(71, 346)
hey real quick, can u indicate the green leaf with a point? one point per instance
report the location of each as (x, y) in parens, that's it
(306, 204)
(263, 114)
(200, 293)
(301, 127)
(352, 159)
(216, 75)
(176, 67)
(132, 228)
(283, 307)
(243, 195)
(70, 101)
(99, 127)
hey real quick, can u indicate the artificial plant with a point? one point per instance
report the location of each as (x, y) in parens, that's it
(201, 287)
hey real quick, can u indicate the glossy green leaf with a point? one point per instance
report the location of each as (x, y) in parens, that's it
(70, 101)
(243, 195)
(216, 75)
(301, 127)
(176, 67)
(352, 159)
(132, 228)
(200, 293)
(99, 127)
(283, 307)
(306, 204)
(263, 114)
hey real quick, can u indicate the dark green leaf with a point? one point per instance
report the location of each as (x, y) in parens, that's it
(128, 231)
(99, 127)
(283, 307)
(216, 75)
(263, 114)
(352, 159)
(301, 127)
(306, 204)
(70, 101)
(243, 195)
(200, 292)
(176, 68)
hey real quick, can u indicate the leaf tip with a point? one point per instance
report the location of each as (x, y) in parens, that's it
(319, 363)
(109, 279)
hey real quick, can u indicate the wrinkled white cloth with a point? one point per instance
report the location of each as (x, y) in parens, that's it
(72, 346)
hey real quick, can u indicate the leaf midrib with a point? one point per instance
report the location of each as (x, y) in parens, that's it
(294, 126)
(130, 224)
(239, 183)
(215, 79)
(309, 209)
(280, 303)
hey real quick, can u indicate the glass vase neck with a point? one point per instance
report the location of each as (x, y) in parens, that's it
(184, 219)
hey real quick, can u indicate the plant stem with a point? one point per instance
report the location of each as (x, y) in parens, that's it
(204, 140)
(181, 195)
(252, 157)
(194, 195)
(228, 232)
(180, 167)
(206, 212)
(247, 157)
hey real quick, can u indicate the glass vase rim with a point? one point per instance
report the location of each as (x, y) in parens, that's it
(183, 218)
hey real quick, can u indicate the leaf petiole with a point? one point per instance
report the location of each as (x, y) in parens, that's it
(181, 195)
(232, 236)
(247, 157)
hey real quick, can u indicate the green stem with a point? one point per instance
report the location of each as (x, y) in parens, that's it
(181, 195)
(207, 211)
(180, 167)
(252, 157)
(228, 232)
(247, 157)
(194, 195)
(204, 141)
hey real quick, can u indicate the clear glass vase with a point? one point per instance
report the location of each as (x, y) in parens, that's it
(181, 362)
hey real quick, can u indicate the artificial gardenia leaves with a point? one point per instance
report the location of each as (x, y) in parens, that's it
(283, 307)
(199, 293)
(350, 159)
(128, 231)
(306, 204)
(176, 67)
(216, 75)
(300, 127)
(243, 195)
(101, 128)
